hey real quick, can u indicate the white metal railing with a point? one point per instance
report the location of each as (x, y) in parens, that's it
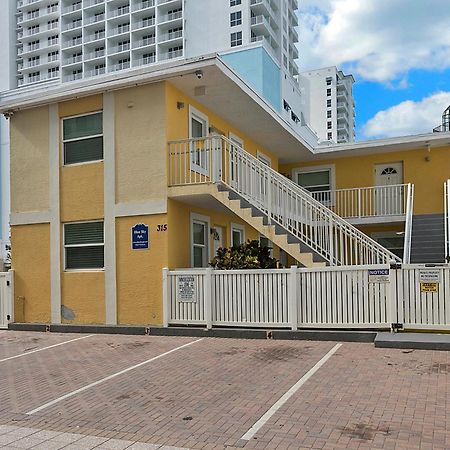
(408, 224)
(364, 202)
(216, 159)
(447, 219)
(373, 297)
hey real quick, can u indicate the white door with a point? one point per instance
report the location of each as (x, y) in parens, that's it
(389, 195)
(199, 243)
(198, 128)
(218, 238)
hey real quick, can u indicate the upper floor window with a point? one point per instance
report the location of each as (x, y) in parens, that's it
(236, 39)
(83, 138)
(235, 2)
(236, 18)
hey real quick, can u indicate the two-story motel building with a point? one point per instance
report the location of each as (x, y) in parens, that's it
(190, 158)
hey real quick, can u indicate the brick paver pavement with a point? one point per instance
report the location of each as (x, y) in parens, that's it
(209, 394)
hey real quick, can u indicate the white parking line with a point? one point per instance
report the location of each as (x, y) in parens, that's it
(45, 348)
(277, 405)
(110, 377)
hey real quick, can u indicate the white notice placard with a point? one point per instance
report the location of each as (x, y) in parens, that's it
(186, 289)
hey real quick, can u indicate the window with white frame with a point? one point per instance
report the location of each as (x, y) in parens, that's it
(84, 245)
(83, 138)
(235, 18)
(236, 39)
(237, 234)
(199, 239)
(235, 2)
(198, 130)
(318, 179)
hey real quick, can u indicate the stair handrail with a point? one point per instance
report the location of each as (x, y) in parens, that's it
(346, 244)
(408, 224)
(341, 223)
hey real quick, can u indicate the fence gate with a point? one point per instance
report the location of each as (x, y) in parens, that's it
(6, 280)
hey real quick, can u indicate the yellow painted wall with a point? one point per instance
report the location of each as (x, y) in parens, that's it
(30, 160)
(180, 232)
(139, 272)
(81, 105)
(84, 294)
(31, 262)
(81, 190)
(178, 122)
(140, 143)
(82, 198)
(428, 177)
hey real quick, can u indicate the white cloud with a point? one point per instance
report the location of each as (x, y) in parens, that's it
(379, 40)
(408, 117)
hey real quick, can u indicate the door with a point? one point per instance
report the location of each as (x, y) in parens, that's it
(199, 243)
(198, 129)
(389, 194)
(217, 236)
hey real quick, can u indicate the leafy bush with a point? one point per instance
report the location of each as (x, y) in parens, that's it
(246, 256)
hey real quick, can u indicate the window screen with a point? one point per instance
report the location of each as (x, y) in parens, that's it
(83, 139)
(84, 245)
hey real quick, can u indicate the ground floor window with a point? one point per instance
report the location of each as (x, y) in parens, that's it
(199, 239)
(237, 234)
(84, 245)
(265, 242)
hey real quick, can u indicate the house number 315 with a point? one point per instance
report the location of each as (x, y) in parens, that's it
(162, 227)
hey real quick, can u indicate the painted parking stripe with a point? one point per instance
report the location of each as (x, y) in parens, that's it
(110, 377)
(277, 405)
(45, 348)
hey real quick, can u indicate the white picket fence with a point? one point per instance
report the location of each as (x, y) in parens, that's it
(330, 297)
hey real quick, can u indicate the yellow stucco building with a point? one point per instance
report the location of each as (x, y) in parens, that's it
(90, 162)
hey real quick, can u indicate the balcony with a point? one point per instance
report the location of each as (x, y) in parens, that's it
(73, 77)
(145, 60)
(120, 66)
(94, 55)
(95, 72)
(364, 205)
(145, 23)
(72, 60)
(171, 36)
(171, 54)
(178, 15)
(71, 8)
(94, 19)
(95, 36)
(73, 43)
(119, 31)
(144, 42)
(119, 12)
(262, 7)
(91, 3)
(143, 5)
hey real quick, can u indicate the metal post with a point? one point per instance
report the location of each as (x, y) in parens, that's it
(166, 299)
(392, 298)
(208, 298)
(11, 296)
(292, 298)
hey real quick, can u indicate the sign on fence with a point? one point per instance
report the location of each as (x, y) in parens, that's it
(429, 280)
(186, 289)
(378, 275)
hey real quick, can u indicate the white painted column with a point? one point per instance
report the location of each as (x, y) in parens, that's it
(110, 203)
(55, 222)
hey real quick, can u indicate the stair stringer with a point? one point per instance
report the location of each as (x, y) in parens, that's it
(281, 240)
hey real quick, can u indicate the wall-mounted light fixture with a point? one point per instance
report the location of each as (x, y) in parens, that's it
(180, 105)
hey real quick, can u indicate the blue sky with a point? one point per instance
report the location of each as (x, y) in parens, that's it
(398, 51)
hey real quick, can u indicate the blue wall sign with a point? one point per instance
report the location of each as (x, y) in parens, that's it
(139, 237)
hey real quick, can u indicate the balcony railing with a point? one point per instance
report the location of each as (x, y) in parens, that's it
(366, 202)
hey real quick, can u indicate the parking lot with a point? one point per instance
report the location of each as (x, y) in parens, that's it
(106, 392)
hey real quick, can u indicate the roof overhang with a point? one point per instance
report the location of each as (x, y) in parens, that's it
(220, 89)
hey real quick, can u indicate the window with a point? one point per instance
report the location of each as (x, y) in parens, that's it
(265, 242)
(329, 81)
(328, 103)
(198, 128)
(236, 18)
(328, 92)
(328, 114)
(316, 179)
(83, 139)
(84, 245)
(52, 40)
(237, 234)
(235, 2)
(199, 239)
(236, 39)
(330, 136)
(53, 72)
(53, 56)
(329, 125)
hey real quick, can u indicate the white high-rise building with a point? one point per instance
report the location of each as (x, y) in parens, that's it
(331, 111)
(66, 40)
(61, 41)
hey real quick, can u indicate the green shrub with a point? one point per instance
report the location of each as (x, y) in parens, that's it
(246, 256)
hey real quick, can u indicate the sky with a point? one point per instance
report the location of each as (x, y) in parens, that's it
(397, 50)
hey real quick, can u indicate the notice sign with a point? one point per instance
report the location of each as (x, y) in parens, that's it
(429, 280)
(378, 275)
(186, 289)
(139, 237)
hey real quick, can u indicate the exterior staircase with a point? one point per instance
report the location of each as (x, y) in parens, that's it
(275, 206)
(428, 240)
